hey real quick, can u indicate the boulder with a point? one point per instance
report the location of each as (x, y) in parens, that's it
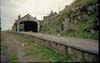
(84, 16)
(79, 17)
(93, 31)
(75, 22)
(91, 9)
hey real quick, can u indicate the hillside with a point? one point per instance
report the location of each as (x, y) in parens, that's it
(79, 20)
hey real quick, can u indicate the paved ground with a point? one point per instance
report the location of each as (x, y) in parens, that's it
(92, 45)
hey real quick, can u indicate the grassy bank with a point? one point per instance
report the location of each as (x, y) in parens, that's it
(12, 57)
(40, 53)
(84, 26)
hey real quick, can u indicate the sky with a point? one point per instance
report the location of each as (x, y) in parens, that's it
(10, 9)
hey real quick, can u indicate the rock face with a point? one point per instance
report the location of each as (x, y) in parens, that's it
(66, 25)
(85, 13)
(81, 18)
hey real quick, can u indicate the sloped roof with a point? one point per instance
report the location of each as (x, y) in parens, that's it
(27, 17)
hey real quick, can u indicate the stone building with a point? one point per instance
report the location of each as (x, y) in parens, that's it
(26, 23)
(50, 15)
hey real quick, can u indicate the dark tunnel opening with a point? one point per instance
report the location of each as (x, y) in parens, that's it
(29, 26)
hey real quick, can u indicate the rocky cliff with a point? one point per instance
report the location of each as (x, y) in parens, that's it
(80, 19)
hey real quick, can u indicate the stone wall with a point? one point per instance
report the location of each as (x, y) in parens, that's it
(77, 54)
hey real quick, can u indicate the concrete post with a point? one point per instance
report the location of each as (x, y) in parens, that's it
(17, 27)
(38, 24)
(23, 26)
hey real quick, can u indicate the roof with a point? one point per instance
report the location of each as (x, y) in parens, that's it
(27, 17)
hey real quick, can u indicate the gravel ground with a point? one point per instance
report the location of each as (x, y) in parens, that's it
(14, 46)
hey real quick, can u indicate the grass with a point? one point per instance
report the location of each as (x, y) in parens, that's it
(78, 28)
(87, 23)
(46, 53)
(12, 57)
(2, 45)
(41, 53)
(85, 2)
(81, 26)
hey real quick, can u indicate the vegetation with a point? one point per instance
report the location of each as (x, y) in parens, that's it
(85, 2)
(40, 53)
(81, 30)
(45, 54)
(12, 57)
(2, 46)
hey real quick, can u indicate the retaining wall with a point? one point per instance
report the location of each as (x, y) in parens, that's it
(78, 54)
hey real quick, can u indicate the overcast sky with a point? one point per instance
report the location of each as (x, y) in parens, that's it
(10, 9)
